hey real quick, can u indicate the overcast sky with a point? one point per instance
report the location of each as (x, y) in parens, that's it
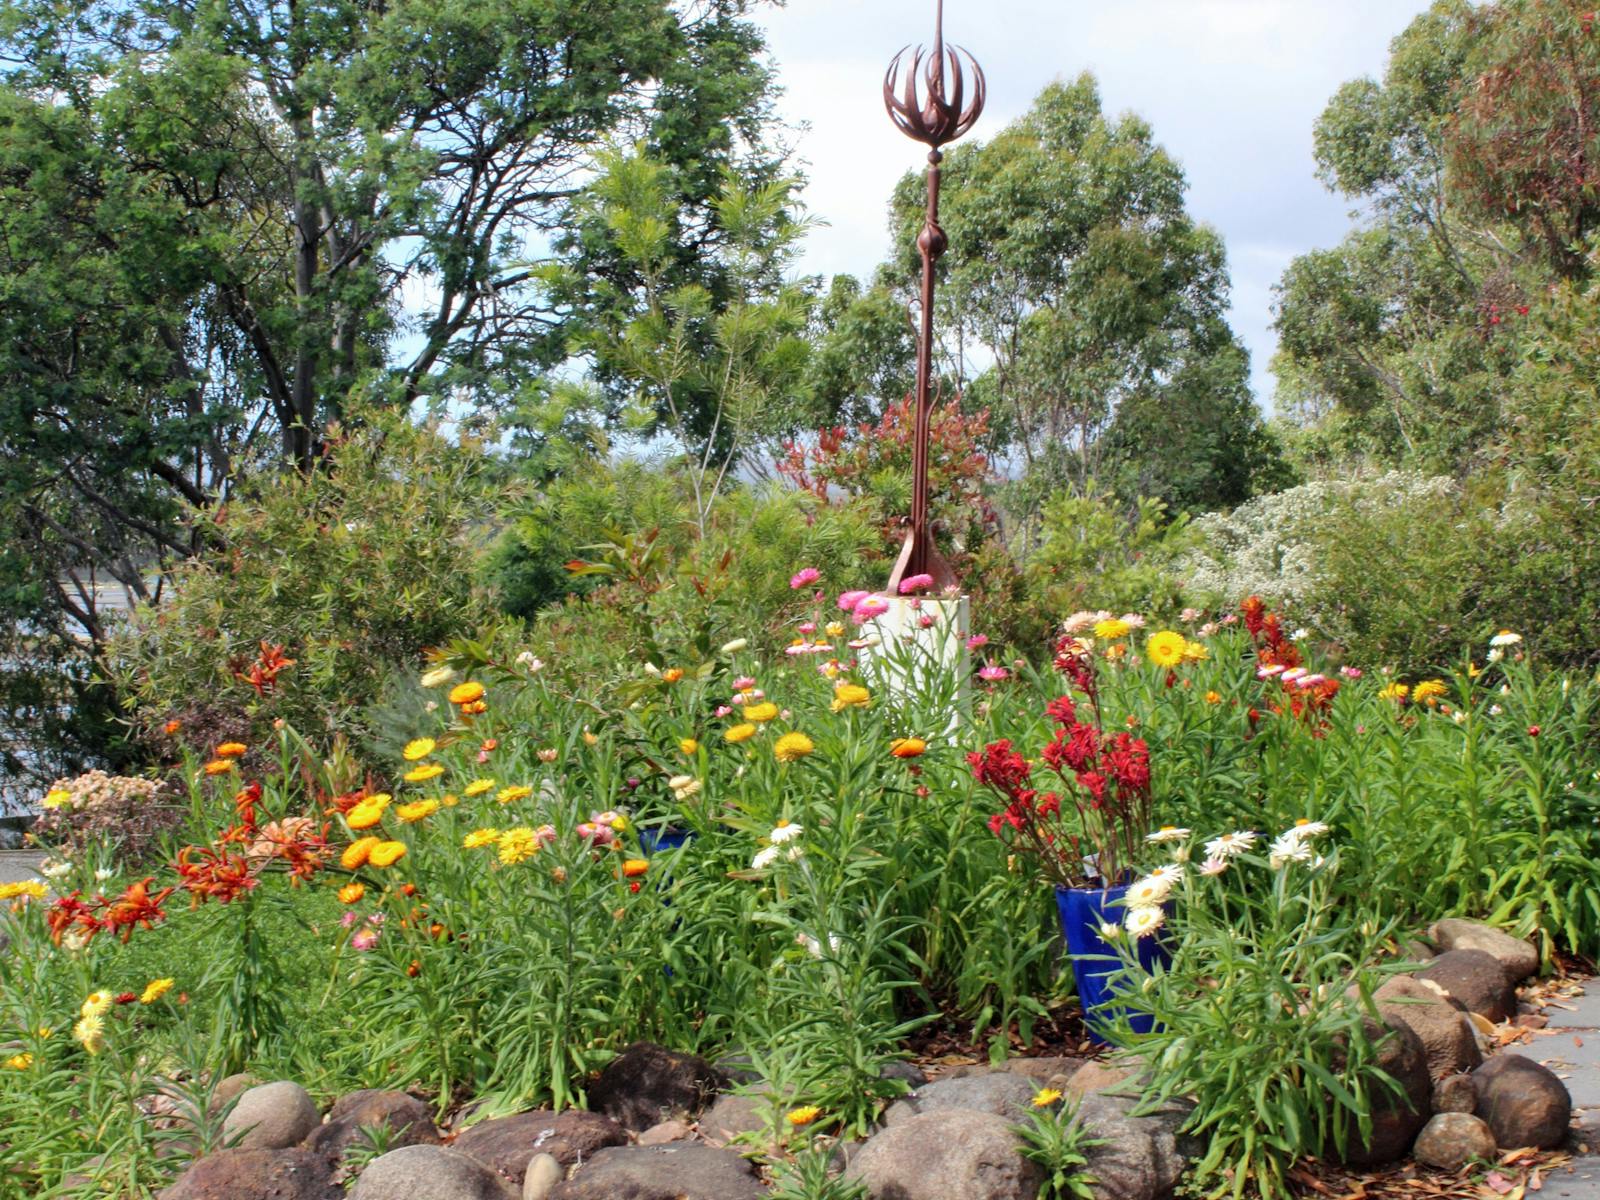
(1230, 87)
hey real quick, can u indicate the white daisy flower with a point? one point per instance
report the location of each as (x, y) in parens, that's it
(1144, 920)
(1230, 845)
(1172, 873)
(54, 869)
(1287, 849)
(785, 832)
(1505, 638)
(1306, 829)
(1149, 891)
(1110, 931)
(1213, 866)
(765, 858)
(1167, 833)
(102, 874)
(1496, 655)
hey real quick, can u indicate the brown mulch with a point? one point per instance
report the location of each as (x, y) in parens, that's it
(1516, 1175)
(950, 1040)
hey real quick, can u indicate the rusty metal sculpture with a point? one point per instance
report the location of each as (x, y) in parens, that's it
(929, 103)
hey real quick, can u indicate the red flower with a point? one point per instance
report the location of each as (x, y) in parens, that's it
(136, 907)
(264, 672)
(1128, 762)
(1533, 731)
(127, 998)
(1000, 767)
(208, 874)
(244, 804)
(1062, 711)
(1094, 783)
(69, 911)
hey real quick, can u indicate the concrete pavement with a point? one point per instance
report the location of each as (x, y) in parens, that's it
(1572, 1050)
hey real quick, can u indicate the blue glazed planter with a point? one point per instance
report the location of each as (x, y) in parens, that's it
(1094, 962)
(654, 841)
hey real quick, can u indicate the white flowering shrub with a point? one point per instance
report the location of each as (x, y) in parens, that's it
(1273, 546)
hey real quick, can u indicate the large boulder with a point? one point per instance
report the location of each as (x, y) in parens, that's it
(1000, 1092)
(1524, 1102)
(946, 1154)
(407, 1120)
(293, 1174)
(508, 1143)
(647, 1084)
(272, 1116)
(1448, 1038)
(1138, 1157)
(681, 1171)
(1100, 1077)
(1396, 1118)
(430, 1173)
(1476, 981)
(1453, 1139)
(1518, 957)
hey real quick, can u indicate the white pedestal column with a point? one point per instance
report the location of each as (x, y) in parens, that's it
(920, 658)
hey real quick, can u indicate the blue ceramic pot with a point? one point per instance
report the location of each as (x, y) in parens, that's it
(655, 841)
(1094, 962)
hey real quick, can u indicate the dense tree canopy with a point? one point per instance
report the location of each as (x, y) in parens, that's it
(226, 225)
(1474, 158)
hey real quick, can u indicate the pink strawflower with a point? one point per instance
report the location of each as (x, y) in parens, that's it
(743, 684)
(993, 674)
(1268, 671)
(804, 577)
(347, 918)
(365, 940)
(808, 627)
(376, 918)
(869, 607)
(1133, 620)
(926, 621)
(849, 600)
(722, 711)
(915, 583)
(1350, 672)
(1310, 681)
(977, 641)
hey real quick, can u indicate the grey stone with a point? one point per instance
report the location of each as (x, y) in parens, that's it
(667, 1131)
(1396, 1118)
(1139, 1157)
(229, 1089)
(508, 1143)
(1047, 1072)
(1100, 1077)
(407, 1120)
(430, 1173)
(1452, 1139)
(1448, 1038)
(271, 1116)
(647, 1084)
(1456, 1094)
(1524, 1103)
(292, 1174)
(909, 1073)
(999, 1092)
(731, 1116)
(681, 1171)
(1474, 980)
(1518, 957)
(946, 1154)
(544, 1172)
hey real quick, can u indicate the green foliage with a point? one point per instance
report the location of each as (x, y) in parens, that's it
(1254, 1022)
(354, 570)
(1093, 554)
(1053, 1137)
(1399, 342)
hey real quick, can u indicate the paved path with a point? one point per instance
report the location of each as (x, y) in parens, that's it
(17, 866)
(1572, 1050)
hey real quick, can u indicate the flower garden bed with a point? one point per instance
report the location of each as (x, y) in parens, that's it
(493, 919)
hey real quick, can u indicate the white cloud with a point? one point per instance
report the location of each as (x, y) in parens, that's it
(1230, 87)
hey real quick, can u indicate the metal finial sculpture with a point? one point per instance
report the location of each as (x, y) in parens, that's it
(937, 112)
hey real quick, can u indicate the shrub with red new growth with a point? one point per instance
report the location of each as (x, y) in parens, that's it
(1107, 778)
